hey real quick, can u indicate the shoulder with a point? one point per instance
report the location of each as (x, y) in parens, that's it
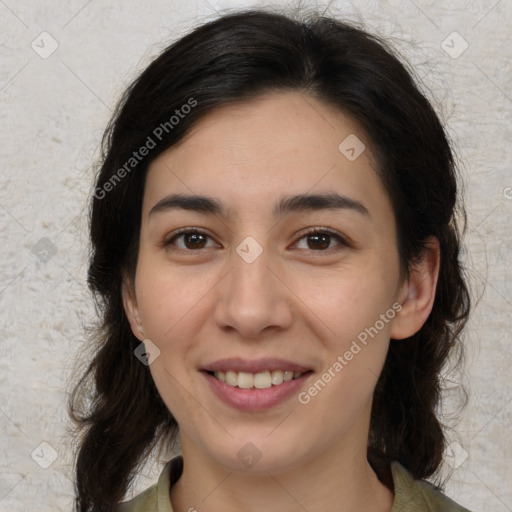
(419, 495)
(144, 502)
(410, 494)
(156, 498)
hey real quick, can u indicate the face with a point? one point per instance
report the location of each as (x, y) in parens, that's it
(266, 287)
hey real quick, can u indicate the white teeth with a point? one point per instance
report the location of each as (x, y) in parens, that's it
(232, 378)
(277, 377)
(245, 380)
(262, 380)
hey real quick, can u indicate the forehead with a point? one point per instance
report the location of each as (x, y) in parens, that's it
(251, 153)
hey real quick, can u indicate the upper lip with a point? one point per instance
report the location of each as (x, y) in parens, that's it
(254, 365)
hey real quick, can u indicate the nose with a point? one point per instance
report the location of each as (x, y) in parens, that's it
(253, 298)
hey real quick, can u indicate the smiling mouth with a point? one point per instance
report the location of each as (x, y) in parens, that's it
(261, 380)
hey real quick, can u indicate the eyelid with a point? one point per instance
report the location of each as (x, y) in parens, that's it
(324, 229)
(191, 229)
(344, 240)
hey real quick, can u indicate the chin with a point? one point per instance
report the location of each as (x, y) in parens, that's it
(257, 454)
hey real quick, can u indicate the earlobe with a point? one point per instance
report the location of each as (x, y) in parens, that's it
(131, 310)
(418, 292)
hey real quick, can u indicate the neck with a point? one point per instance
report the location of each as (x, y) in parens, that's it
(337, 480)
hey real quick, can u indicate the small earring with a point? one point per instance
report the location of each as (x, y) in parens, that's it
(141, 330)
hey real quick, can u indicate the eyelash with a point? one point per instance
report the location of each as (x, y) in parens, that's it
(313, 231)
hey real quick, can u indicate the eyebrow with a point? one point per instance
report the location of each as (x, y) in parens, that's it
(298, 203)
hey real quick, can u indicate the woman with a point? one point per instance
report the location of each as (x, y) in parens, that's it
(275, 258)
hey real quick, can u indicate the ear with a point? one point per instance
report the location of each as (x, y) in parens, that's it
(131, 309)
(417, 293)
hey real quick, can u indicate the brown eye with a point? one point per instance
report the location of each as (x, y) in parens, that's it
(320, 240)
(187, 240)
(194, 240)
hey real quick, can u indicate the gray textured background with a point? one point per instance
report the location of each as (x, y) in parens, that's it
(52, 114)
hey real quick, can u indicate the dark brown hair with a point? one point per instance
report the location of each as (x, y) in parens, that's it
(119, 412)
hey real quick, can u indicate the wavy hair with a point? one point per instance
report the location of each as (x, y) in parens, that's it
(119, 414)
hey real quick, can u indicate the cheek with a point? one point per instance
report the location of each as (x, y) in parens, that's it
(172, 308)
(355, 308)
(359, 314)
(168, 297)
(346, 302)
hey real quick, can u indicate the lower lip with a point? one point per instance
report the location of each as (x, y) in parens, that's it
(255, 399)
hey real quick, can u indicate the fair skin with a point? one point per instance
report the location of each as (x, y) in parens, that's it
(198, 301)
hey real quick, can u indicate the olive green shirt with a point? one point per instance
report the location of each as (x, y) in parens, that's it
(410, 495)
